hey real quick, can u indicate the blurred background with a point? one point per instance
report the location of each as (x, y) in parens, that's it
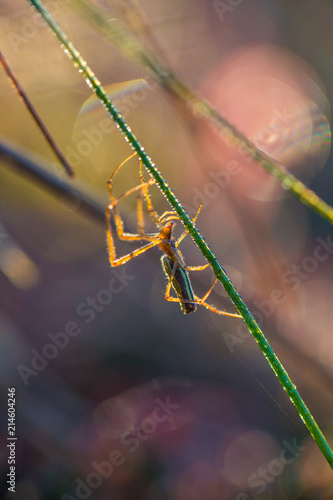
(118, 393)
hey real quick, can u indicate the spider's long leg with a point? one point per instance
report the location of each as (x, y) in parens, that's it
(147, 196)
(114, 201)
(196, 268)
(114, 173)
(112, 206)
(114, 261)
(182, 236)
(168, 215)
(118, 221)
(215, 310)
(180, 239)
(144, 185)
(203, 302)
(168, 288)
(195, 300)
(139, 210)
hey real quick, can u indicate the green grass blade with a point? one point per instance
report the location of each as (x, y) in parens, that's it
(219, 272)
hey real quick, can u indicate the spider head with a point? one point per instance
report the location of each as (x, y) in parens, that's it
(166, 231)
(167, 243)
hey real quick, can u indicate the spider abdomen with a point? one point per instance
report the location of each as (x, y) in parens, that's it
(180, 283)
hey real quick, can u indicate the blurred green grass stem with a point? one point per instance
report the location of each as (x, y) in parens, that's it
(131, 47)
(219, 272)
(35, 169)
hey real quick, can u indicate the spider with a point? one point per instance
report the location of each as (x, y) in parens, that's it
(172, 259)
